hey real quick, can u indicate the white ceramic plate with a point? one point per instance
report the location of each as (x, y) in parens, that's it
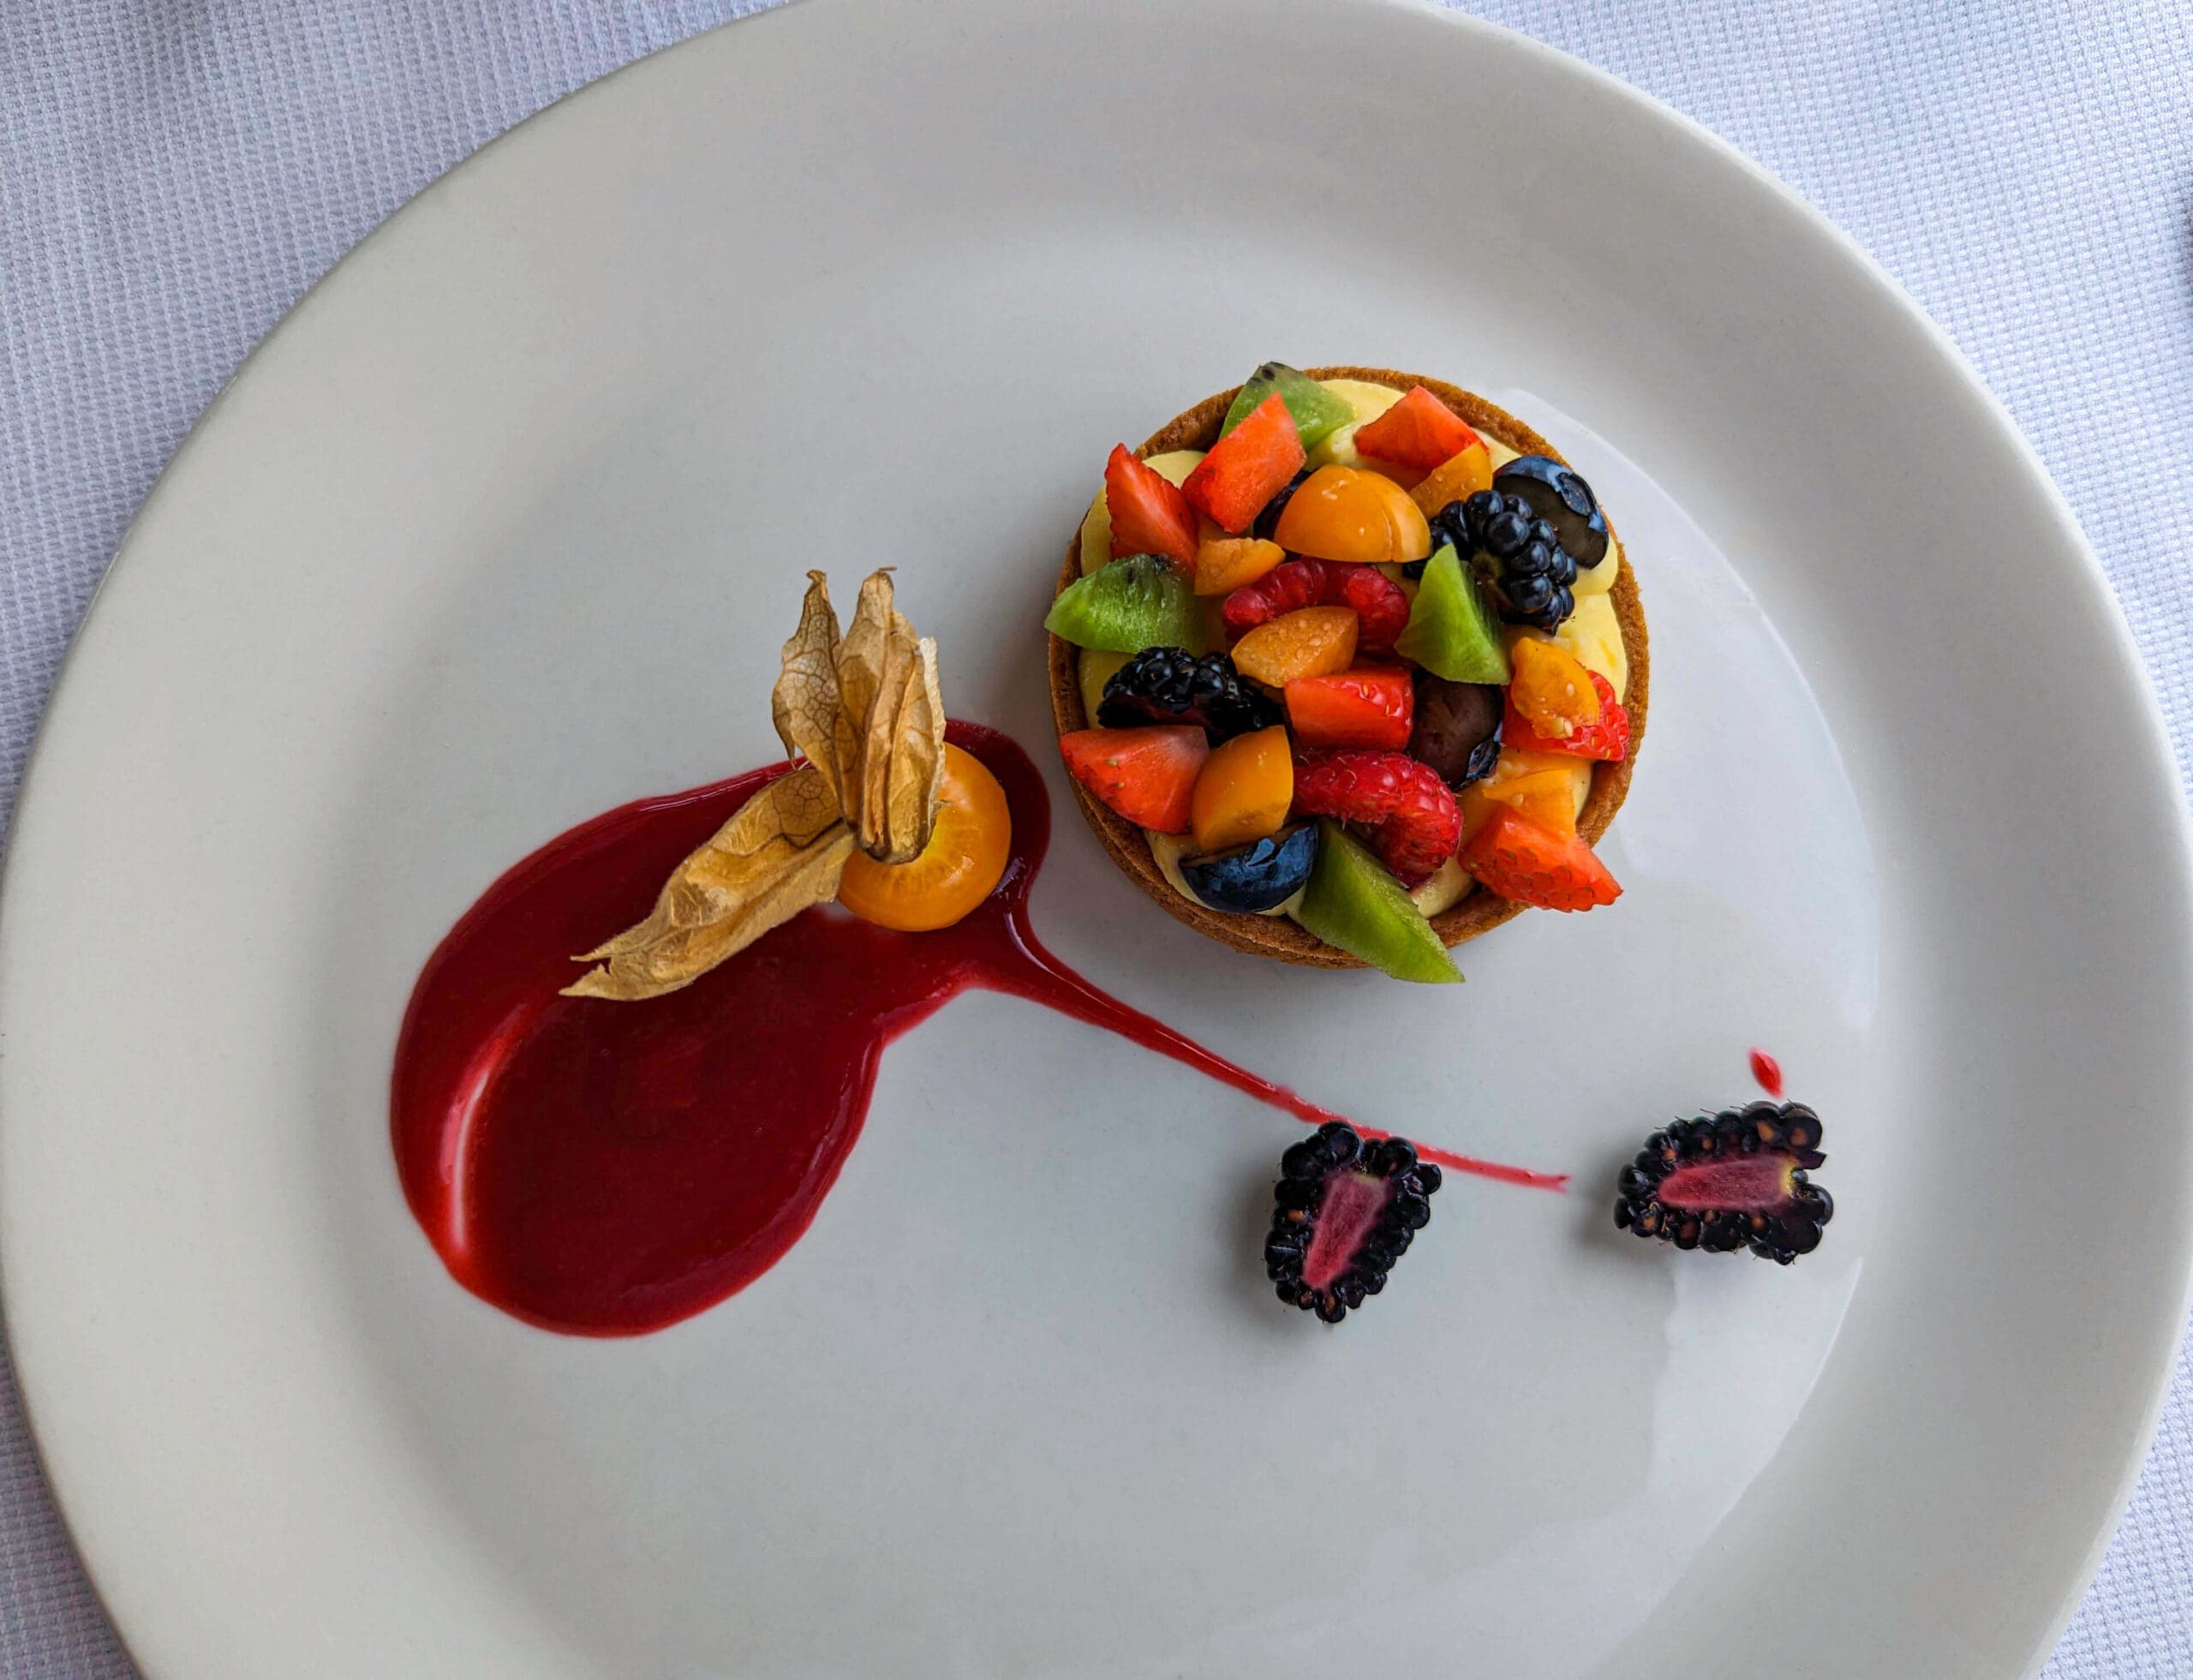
(503, 528)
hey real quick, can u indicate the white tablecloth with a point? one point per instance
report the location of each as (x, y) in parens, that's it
(174, 173)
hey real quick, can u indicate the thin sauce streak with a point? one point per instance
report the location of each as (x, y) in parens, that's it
(607, 1170)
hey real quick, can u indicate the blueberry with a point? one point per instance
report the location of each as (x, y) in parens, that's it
(1261, 876)
(1559, 495)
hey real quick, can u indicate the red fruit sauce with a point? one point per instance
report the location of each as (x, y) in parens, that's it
(609, 1168)
(1768, 1072)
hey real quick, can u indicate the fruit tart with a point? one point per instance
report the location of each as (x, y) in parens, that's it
(1348, 666)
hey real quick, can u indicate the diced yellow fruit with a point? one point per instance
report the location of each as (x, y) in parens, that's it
(1542, 795)
(1224, 563)
(1552, 688)
(1454, 478)
(1097, 524)
(1446, 887)
(1346, 513)
(1166, 851)
(1310, 641)
(1245, 790)
(1337, 448)
(1594, 633)
(1579, 772)
(1512, 634)
(1548, 787)
(1097, 670)
(1367, 398)
(1096, 536)
(1174, 465)
(1599, 579)
(1501, 454)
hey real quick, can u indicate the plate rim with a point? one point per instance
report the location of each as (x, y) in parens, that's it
(41, 1407)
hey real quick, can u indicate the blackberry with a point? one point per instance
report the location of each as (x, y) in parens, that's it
(1516, 556)
(1739, 1178)
(1267, 519)
(1172, 686)
(1346, 1211)
(1559, 495)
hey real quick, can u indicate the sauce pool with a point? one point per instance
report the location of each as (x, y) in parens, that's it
(609, 1168)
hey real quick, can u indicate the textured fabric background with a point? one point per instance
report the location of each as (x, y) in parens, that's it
(174, 173)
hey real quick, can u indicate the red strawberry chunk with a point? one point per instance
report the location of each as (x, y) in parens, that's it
(1247, 467)
(1527, 862)
(1381, 606)
(1411, 811)
(1420, 432)
(1150, 516)
(1371, 706)
(1147, 775)
(1606, 739)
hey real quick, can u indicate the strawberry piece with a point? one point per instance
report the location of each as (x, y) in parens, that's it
(1420, 432)
(1412, 810)
(1150, 516)
(1380, 605)
(1147, 775)
(1247, 467)
(1606, 739)
(1527, 862)
(1371, 706)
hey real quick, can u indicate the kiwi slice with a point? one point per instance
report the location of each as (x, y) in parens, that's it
(1318, 412)
(1353, 903)
(1452, 631)
(1138, 601)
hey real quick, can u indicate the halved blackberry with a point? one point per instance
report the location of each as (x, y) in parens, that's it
(1516, 555)
(1739, 1178)
(1172, 686)
(1347, 1209)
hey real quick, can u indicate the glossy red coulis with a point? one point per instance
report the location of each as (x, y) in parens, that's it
(1768, 1072)
(607, 1168)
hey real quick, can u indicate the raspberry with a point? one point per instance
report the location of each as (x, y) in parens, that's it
(1381, 608)
(1413, 812)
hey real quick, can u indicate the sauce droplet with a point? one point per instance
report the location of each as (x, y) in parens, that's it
(1768, 1072)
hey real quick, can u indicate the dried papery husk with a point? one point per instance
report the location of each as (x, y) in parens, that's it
(865, 711)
